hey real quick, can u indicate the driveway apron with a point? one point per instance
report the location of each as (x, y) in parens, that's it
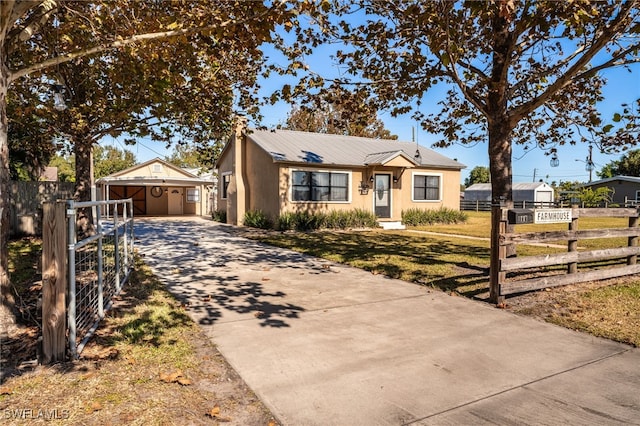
(326, 344)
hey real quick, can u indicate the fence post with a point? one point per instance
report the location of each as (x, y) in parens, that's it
(498, 252)
(572, 245)
(100, 259)
(633, 241)
(54, 282)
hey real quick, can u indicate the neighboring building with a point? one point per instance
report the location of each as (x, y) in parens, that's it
(49, 174)
(534, 192)
(159, 188)
(625, 189)
(287, 171)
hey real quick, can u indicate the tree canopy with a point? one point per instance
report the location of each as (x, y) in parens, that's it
(188, 65)
(478, 174)
(338, 111)
(627, 165)
(515, 71)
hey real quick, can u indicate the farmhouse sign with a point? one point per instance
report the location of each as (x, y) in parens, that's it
(552, 215)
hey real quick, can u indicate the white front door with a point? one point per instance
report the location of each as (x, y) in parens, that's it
(175, 201)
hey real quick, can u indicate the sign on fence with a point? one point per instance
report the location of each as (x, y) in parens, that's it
(552, 216)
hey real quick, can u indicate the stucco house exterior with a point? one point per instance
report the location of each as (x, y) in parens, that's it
(523, 192)
(278, 171)
(625, 189)
(159, 188)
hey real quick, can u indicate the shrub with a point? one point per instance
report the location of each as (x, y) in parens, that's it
(419, 217)
(356, 218)
(219, 216)
(257, 219)
(305, 221)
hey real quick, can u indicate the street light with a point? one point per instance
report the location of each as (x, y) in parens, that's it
(589, 165)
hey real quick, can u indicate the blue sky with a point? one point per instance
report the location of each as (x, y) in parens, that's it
(622, 87)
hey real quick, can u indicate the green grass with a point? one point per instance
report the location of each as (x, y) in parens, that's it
(461, 265)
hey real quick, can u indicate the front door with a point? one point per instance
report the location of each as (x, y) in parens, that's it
(382, 196)
(175, 201)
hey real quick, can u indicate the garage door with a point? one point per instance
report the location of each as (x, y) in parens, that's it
(137, 193)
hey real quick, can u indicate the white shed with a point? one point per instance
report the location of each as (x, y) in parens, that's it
(534, 192)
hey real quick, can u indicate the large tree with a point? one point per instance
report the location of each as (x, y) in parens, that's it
(478, 174)
(338, 111)
(57, 40)
(515, 71)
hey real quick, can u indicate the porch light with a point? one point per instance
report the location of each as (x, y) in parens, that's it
(395, 179)
(371, 178)
(418, 157)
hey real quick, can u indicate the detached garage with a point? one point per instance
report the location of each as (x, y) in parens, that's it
(159, 188)
(523, 192)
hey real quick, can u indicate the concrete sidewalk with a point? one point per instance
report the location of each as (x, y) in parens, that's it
(326, 344)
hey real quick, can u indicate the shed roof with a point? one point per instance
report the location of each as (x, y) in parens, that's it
(186, 178)
(320, 148)
(519, 186)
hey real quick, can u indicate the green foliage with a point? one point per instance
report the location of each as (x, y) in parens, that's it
(419, 217)
(627, 165)
(219, 216)
(109, 159)
(356, 218)
(478, 174)
(595, 198)
(66, 167)
(300, 221)
(257, 219)
(337, 219)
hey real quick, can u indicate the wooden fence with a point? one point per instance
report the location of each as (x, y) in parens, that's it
(500, 285)
(26, 204)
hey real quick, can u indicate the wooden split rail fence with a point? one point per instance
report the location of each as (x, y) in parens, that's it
(504, 238)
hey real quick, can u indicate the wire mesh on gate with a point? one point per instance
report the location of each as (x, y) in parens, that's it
(99, 266)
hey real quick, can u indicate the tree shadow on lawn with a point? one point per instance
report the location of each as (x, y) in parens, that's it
(447, 265)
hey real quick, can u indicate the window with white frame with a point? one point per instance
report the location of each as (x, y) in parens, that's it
(427, 187)
(193, 195)
(319, 186)
(226, 179)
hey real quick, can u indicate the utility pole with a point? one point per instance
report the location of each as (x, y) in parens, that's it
(534, 174)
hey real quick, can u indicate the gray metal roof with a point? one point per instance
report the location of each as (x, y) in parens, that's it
(519, 186)
(326, 149)
(632, 179)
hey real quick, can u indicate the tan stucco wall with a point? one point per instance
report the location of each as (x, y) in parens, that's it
(262, 187)
(267, 185)
(148, 171)
(401, 191)
(157, 206)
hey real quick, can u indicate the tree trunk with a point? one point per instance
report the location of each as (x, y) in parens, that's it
(83, 150)
(7, 315)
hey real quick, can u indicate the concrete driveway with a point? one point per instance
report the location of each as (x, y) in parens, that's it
(326, 344)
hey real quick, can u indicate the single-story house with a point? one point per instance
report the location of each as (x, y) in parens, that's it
(159, 188)
(279, 171)
(625, 189)
(534, 192)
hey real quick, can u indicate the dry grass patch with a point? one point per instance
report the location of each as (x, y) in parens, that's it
(148, 364)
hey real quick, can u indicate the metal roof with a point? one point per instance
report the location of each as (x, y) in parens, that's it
(632, 179)
(519, 186)
(320, 148)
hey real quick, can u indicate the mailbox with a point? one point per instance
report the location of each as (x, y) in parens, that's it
(519, 216)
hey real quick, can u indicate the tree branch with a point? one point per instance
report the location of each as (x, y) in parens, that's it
(131, 40)
(569, 76)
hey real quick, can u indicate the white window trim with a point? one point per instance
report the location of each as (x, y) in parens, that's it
(222, 191)
(439, 200)
(637, 195)
(349, 174)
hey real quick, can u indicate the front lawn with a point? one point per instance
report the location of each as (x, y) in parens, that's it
(460, 265)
